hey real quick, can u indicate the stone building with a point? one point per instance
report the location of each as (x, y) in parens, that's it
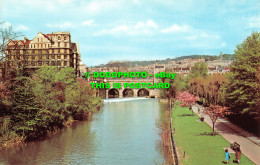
(55, 49)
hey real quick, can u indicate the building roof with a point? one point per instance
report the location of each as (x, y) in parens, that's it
(15, 42)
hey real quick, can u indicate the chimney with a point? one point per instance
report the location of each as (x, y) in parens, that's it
(25, 39)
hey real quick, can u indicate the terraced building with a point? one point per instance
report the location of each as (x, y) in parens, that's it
(55, 49)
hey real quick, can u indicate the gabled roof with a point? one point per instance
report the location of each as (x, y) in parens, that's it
(15, 43)
(48, 36)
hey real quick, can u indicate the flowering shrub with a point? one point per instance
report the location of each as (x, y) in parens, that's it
(187, 99)
(214, 112)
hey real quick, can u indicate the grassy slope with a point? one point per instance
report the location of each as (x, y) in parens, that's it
(199, 149)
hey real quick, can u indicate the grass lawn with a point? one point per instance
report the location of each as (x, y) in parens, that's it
(193, 138)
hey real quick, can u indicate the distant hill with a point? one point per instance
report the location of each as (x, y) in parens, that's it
(164, 61)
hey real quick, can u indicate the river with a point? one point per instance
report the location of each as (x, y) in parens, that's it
(123, 132)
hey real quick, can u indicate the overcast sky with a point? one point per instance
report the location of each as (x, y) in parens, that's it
(138, 29)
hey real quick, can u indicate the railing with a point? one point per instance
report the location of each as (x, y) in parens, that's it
(174, 150)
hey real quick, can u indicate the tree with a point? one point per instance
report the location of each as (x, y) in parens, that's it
(6, 33)
(187, 99)
(214, 112)
(25, 108)
(200, 69)
(243, 89)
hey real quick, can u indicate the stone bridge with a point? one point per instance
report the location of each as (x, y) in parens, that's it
(114, 92)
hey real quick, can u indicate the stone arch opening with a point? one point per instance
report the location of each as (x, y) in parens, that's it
(128, 93)
(142, 92)
(113, 93)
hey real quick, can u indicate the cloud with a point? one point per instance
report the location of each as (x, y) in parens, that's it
(5, 25)
(147, 24)
(21, 28)
(114, 30)
(88, 23)
(61, 25)
(140, 28)
(223, 44)
(177, 29)
(254, 22)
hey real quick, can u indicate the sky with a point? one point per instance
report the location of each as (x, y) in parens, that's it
(109, 30)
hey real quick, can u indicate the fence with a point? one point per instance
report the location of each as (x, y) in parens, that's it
(174, 150)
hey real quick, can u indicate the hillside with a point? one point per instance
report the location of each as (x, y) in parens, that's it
(164, 61)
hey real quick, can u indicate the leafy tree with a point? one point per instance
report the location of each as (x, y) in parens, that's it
(243, 89)
(214, 112)
(199, 69)
(187, 99)
(81, 100)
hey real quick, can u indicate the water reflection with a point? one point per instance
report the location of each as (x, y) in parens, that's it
(121, 133)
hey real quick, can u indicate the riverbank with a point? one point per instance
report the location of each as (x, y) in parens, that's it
(11, 139)
(194, 142)
(120, 133)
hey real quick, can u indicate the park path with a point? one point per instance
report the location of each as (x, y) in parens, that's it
(249, 144)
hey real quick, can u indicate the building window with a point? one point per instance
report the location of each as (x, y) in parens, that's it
(47, 63)
(58, 44)
(32, 63)
(33, 57)
(40, 57)
(58, 50)
(41, 39)
(52, 63)
(65, 63)
(65, 45)
(59, 38)
(53, 56)
(47, 56)
(65, 38)
(40, 63)
(40, 52)
(65, 56)
(58, 63)
(38, 40)
(58, 56)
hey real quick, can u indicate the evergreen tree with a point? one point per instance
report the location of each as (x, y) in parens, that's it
(243, 89)
(25, 108)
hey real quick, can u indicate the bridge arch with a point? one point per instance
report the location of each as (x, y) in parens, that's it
(142, 92)
(113, 93)
(128, 92)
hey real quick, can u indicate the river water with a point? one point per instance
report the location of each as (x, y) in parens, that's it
(123, 132)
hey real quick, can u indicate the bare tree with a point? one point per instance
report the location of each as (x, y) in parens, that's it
(6, 33)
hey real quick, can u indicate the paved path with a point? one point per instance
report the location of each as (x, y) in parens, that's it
(249, 144)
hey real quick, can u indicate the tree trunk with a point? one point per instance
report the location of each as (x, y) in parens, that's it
(213, 134)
